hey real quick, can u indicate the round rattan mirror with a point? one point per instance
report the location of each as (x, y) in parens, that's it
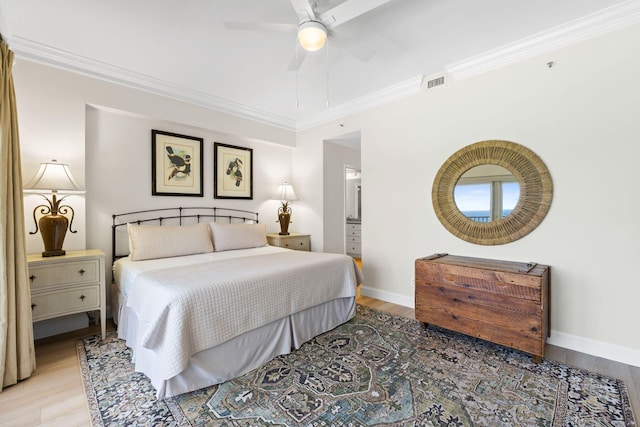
(536, 192)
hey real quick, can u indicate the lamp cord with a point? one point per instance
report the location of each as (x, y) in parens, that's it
(297, 68)
(327, 73)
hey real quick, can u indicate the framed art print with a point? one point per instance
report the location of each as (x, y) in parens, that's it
(176, 164)
(233, 172)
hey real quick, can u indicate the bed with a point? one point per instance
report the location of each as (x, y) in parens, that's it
(200, 297)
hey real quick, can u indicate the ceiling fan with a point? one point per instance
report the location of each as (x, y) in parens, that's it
(313, 28)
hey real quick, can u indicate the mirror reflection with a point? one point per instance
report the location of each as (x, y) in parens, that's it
(486, 193)
(535, 190)
(353, 194)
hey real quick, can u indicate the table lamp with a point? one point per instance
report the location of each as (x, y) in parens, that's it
(285, 194)
(53, 177)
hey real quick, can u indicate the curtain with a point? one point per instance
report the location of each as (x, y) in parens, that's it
(17, 352)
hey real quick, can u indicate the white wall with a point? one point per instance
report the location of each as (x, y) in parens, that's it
(118, 172)
(581, 118)
(52, 106)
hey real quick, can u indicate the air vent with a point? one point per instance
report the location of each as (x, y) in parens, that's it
(430, 82)
(435, 82)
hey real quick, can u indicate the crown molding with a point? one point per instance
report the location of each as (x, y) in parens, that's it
(610, 19)
(47, 55)
(624, 14)
(383, 96)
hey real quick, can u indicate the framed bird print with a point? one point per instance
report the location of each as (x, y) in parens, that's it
(176, 164)
(233, 172)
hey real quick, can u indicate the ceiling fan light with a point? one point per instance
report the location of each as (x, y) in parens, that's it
(312, 35)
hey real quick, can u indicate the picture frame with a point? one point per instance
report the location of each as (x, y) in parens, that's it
(233, 172)
(176, 164)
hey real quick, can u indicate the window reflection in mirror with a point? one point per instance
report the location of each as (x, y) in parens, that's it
(486, 193)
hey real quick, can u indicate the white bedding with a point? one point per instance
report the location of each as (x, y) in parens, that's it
(177, 333)
(125, 270)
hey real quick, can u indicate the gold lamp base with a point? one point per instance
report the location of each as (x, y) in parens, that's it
(284, 218)
(53, 229)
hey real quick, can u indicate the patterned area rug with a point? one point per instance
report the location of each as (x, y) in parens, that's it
(377, 369)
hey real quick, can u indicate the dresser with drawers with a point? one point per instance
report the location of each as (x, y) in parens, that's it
(504, 302)
(352, 239)
(68, 284)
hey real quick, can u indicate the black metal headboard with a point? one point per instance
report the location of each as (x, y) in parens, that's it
(177, 216)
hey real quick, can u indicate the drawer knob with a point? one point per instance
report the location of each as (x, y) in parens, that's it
(81, 271)
(33, 277)
(33, 306)
(82, 297)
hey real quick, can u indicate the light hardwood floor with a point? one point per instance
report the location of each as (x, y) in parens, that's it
(54, 395)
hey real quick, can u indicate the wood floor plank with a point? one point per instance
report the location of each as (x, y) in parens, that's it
(633, 385)
(73, 411)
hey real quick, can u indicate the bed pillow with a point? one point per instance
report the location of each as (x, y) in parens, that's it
(238, 236)
(151, 242)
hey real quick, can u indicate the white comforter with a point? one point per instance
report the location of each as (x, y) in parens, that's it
(196, 307)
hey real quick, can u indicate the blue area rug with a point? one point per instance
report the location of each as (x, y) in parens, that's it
(377, 369)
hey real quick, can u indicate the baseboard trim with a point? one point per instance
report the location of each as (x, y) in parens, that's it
(391, 297)
(588, 346)
(596, 348)
(59, 325)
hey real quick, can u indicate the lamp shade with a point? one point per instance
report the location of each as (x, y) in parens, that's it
(54, 177)
(285, 193)
(312, 35)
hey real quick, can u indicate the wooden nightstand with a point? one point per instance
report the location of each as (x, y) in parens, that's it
(68, 284)
(299, 242)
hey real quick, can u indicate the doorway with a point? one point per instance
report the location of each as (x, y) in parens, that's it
(353, 211)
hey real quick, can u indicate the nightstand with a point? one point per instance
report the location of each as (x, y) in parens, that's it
(299, 242)
(68, 284)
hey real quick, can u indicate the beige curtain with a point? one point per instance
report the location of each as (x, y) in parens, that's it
(17, 353)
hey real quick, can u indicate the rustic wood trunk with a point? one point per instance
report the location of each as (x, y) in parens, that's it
(504, 302)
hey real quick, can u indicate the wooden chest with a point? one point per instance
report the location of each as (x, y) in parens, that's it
(503, 302)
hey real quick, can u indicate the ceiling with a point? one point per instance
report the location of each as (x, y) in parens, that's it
(182, 49)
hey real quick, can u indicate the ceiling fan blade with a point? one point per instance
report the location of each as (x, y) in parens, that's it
(303, 10)
(261, 26)
(354, 47)
(348, 10)
(298, 58)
